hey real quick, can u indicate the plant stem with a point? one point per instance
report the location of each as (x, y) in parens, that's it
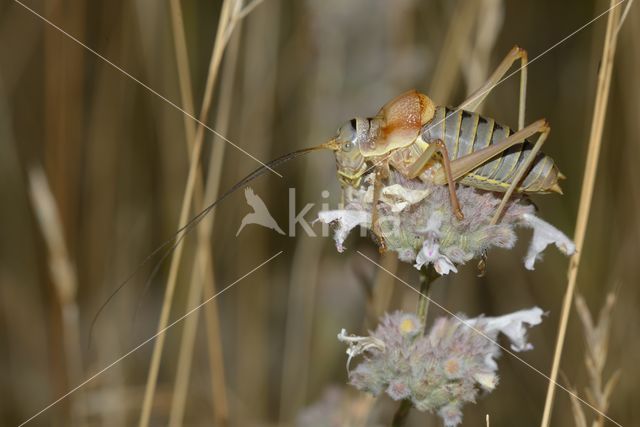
(588, 182)
(214, 64)
(427, 277)
(401, 414)
(202, 284)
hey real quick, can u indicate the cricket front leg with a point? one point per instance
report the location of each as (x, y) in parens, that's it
(382, 172)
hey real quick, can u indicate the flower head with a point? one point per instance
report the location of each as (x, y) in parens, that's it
(439, 371)
(417, 222)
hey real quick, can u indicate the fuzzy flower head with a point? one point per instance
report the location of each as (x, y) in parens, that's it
(416, 221)
(439, 371)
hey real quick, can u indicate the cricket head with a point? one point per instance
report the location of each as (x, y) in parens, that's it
(397, 125)
(350, 162)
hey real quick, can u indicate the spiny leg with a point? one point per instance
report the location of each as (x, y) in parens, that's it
(524, 168)
(382, 172)
(465, 164)
(478, 96)
(437, 146)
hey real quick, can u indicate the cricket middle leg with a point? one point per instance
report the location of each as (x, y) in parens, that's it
(437, 146)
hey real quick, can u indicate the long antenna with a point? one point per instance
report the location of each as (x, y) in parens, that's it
(179, 235)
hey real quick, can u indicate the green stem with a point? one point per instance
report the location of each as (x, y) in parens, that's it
(427, 276)
(401, 414)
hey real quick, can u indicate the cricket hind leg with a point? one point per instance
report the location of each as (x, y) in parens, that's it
(478, 96)
(418, 166)
(466, 164)
(524, 168)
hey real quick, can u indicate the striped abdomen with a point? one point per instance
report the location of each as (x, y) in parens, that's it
(465, 132)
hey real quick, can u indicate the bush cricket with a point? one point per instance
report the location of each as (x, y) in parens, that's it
(421, 140)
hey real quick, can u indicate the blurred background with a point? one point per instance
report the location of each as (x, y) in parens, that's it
(94, 166)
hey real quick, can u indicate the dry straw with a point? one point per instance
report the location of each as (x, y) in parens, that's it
(63, 277)
(595, 141)
(226, 25)
(202, 270)
(596, 336)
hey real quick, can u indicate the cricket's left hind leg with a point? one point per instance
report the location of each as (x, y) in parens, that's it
(524, 168)
(478, 96)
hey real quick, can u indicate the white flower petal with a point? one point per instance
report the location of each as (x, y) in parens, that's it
(358, 345)
(347, 220)
(487, 380)
(490, 361)
(430, 253)
(443, 265)
(543, 235)
(399, 197)
(513, 326)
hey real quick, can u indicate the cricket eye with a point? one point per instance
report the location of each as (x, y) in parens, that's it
(348, 146)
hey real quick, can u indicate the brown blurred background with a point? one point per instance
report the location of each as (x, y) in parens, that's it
(116, 159)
